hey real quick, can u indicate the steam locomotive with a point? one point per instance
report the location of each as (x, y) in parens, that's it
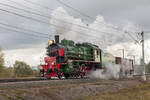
(73, 60)
(68, 59)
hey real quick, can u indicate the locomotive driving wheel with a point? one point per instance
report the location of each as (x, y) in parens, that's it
(66, 76)
(59, 74)
(42, 73)
(83, 70)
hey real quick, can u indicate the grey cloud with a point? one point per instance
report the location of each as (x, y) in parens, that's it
(114, 11)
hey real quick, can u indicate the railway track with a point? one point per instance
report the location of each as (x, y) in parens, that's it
(44, 83)
(11, 80)
(140, 76)
(21, 79)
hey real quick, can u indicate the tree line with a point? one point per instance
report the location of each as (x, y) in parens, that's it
(19, 69)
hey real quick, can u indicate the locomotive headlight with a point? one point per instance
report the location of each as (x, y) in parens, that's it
(52, 63)
(51, 42)
(46, 64)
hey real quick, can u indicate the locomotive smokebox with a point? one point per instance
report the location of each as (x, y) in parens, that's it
(57, 38)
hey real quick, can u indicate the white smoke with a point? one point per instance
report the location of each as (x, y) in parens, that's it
(60, 21)
(99, 32)
(111, 71)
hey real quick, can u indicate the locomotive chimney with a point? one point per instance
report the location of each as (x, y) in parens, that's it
(56, 38)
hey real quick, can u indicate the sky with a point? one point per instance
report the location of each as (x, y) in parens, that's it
(110, 19)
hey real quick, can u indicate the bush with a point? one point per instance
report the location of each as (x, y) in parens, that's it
(21, 69)
(7, 73)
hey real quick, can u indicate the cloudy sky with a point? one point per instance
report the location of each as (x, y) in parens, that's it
(26, 26)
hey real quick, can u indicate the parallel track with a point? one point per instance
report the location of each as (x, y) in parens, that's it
(21, 80)
(11, 80)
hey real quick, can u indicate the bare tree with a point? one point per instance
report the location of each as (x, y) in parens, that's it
(1, 60)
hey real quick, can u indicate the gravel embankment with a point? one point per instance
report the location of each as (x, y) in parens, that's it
(61, 89)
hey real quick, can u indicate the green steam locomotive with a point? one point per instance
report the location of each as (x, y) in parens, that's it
(70, 59)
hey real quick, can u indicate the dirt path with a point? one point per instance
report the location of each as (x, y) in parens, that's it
(61, 89)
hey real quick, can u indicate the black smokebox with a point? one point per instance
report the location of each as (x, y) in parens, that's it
(56, 38)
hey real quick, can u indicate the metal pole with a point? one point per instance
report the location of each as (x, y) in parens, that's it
(143, 56)
(123, 53)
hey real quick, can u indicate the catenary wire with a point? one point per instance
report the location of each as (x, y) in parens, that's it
(49, 17)
(76, 11)
(23, 29)
(31, 17)
(37, 20)
(90, 17)
(25, 33)
(17, 3)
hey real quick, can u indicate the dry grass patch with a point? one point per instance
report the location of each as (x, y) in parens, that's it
(139, 92)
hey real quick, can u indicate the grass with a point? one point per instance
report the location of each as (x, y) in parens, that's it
(21, 93)
(139, 92)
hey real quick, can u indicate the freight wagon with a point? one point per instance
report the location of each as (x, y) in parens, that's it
(127, 65)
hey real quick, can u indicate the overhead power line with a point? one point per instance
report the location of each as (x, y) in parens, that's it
(25, 33)
(78, 11)
(90, 17)
(31, 12)
(45, 7)
(81, 13)
(48, 8)
(43, 21)
(63, 20)
(24, 10)
(34, 3)
(20, 4)
(75, 9)
(37, 20)
(30, 18)
(11, 26)
(132, 37)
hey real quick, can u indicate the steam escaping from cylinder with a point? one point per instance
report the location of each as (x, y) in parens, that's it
(111, 71)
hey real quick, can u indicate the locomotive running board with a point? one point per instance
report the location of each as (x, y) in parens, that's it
(84, 61)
